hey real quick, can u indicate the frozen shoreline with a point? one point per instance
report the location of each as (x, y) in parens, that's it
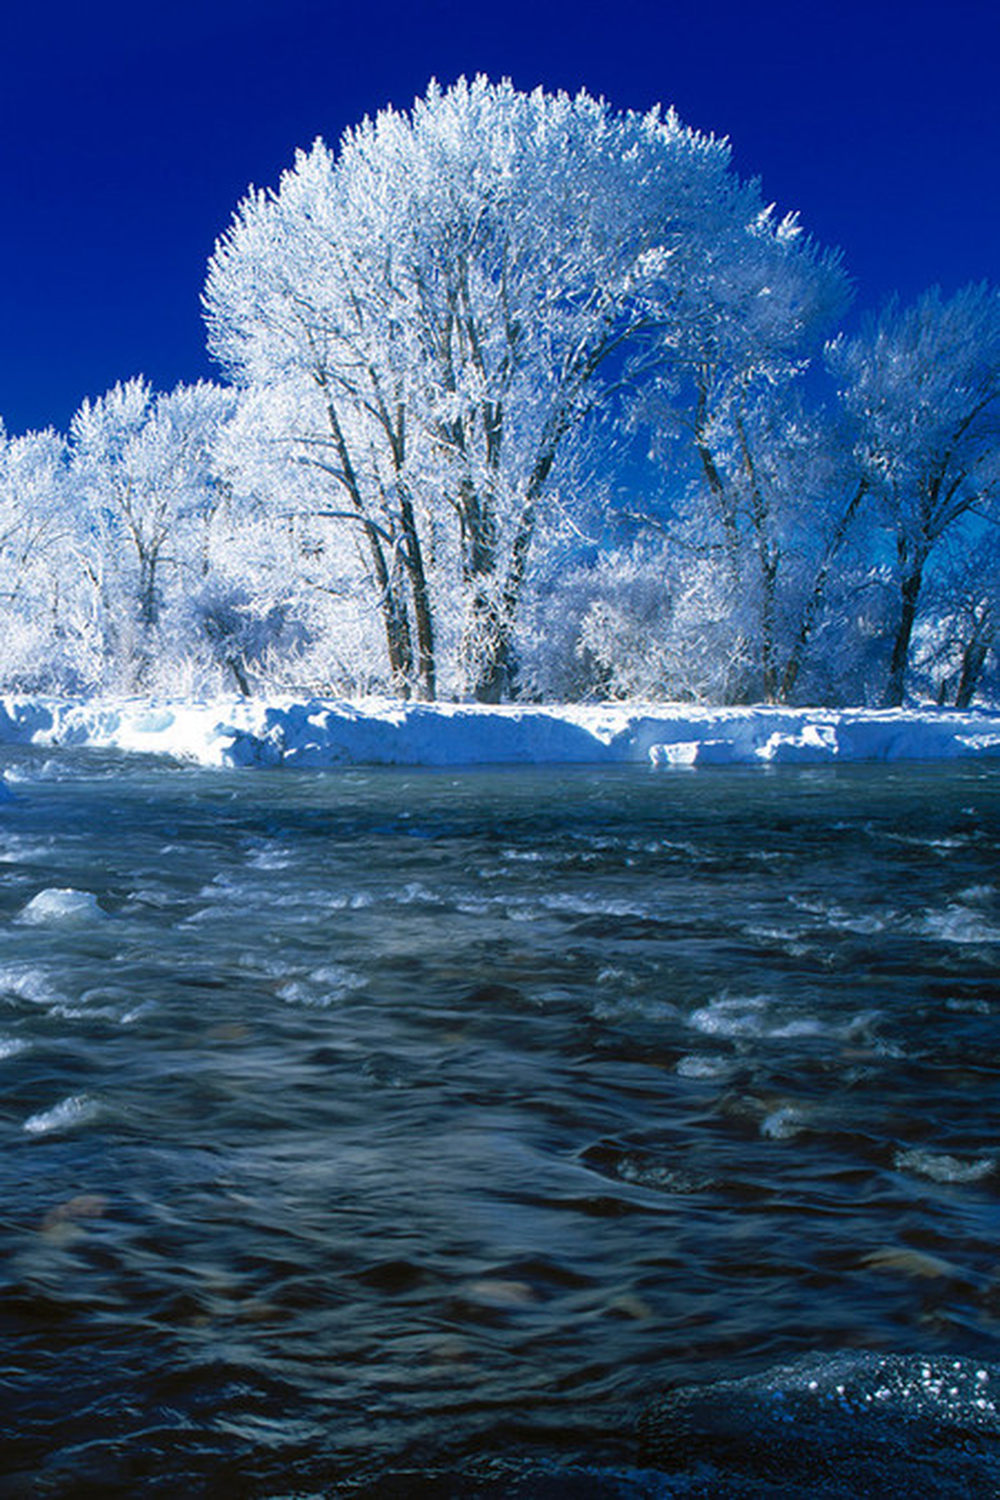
(313, 733)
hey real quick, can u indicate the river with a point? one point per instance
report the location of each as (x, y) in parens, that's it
(545, 1133)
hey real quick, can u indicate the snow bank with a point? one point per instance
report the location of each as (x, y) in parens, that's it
(318, 733)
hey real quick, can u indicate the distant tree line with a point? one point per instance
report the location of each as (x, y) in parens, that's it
(525, 398)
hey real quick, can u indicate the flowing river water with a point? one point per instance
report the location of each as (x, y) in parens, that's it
(544, 1133)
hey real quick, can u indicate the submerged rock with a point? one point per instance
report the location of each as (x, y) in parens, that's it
(837, 1426)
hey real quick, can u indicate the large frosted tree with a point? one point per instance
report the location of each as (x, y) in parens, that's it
(451, 301)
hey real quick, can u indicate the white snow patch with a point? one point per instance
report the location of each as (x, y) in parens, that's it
(317, 733)
(811, 743)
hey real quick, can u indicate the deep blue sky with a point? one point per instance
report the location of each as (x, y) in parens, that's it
(129, 132)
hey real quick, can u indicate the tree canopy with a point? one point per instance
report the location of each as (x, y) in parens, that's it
(457, 296)
(525, 396)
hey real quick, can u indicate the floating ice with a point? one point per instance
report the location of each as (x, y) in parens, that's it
(57, 904)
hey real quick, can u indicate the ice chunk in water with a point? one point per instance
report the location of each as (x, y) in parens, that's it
(56, 904)
(76, 1110)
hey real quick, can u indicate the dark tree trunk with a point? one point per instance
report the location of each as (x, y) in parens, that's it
(895, 688)
(399, 644)
(492, 669)
(235, 666)
(422, 613)
(814, 603)
(717, 487)
(768, 622)
(496, 669)
(149, 604)
(973, 662)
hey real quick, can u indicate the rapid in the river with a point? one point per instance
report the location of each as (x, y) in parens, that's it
(532, 1132)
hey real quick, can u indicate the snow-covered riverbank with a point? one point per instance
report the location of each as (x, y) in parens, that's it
(317, 733)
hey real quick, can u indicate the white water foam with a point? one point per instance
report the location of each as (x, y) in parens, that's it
(321, 987)
(751, 1016)
(27, 982)
(959, 924)
(634, 1007)
(703, 1065)
(940, 1167)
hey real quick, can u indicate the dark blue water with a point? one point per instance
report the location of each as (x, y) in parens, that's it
(553, 1133)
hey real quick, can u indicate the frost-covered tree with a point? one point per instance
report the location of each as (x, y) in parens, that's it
(453, 298)
(146, 490)
(659, 624)
(43, 631)
(786, 498)
(288, 587)
(956, 637)
(923, 383)
(767, 508)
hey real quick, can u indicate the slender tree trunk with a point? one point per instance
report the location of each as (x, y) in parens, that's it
(493, 666)
(422, 613)
(895, 688)
(814, 603)
(399, 644)
(768, 557)
(717, 487)
(394, 425)
(495, 623)
(149, 611)
(768, 623)
(235, 666)
(973, 662)
(490, 629)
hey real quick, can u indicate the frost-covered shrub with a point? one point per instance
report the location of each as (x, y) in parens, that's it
(242, 632)
(649, 621)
